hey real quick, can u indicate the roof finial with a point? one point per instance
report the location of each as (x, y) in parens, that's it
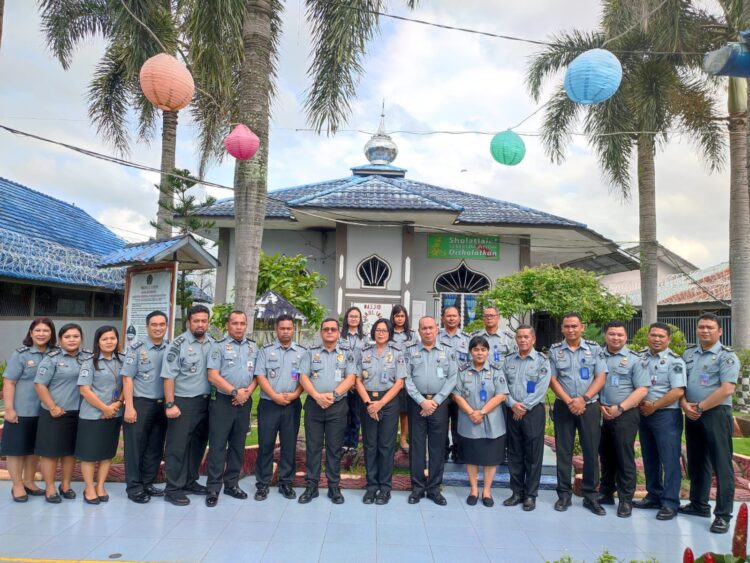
(381, 149)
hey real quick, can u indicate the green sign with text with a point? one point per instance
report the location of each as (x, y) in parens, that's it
(466, 247)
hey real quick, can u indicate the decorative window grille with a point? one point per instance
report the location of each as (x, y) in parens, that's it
(374, 272)
(461, 280)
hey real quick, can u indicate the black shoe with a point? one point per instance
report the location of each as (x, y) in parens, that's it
(529, 504)
(594, 507)
(103, 498)
(152, 491)
(415, 497)
(94, 500)
(383, 497)
(489, 502)
(606, 499)
(140, 498)
(692, 509)
(646, 503)
(369, 498)
(177, 500)
(287, 491)
(235, 492)
(471, 500)
(438, 498)
(196, 489)
(719, 526)
(334, 493)
(309, 494)
(666, 513)
(33, 492)
(261, 493)
(624, 509)
(70, 494)
(562, 504)
(23, 498)
(212, 499)
(513, 500)
(53, 499)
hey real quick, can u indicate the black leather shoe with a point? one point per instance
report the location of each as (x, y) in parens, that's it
(287, 491)
(152, 491)
(471, 500)
(177, 500)
(103, 498)
(94, 500)
(196, 489)
(646, 503)
(666, 513)
(309, 494)
(261, 493)
(594, 507)
(624, 509)
(53, 499)
(334, 493)
(383, 497)
(33, 492)
(562, 504)
(438, 498)
(606, 499)
(691, 509)
(513, 500)
(140, 498)
(212, 499)
(235, 492)
(529, 504)
(23, 498)
(415, 497)
(489, 502)
(369, 497)
(719, 526)
(70, 494)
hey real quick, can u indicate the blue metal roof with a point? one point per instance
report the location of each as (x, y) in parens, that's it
(40, 216)
(185, 247)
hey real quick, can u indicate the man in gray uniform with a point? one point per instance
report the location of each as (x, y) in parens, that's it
(501, 344)
(332, 373)
(451, 335)
(578, 374)
(626, 386)
(528, 374)
(145, 423)
(712, 371)
(186, 392)
(278, 370)
(431, 376)
(231, 369)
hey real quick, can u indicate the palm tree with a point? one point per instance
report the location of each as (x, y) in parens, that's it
(658, 92)
(2, 11)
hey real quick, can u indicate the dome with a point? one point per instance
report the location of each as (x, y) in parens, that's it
(381, 149)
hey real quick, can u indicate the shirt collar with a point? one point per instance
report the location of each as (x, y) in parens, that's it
(621, 352)
(150, 343)
(713, 349)
(583, 345)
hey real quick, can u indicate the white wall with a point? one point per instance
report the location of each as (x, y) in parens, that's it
(363, 242)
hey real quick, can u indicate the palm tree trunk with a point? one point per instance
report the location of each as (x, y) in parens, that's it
(166, 195)
(2, 11)
(647, 228)
(251, 176)
(739, 214)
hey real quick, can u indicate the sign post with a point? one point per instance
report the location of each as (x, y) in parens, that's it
(149, 288)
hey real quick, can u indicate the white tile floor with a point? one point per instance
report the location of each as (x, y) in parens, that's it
(279, 530)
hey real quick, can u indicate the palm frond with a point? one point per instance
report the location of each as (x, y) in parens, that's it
(108, 98)
(559, 118)
(66, 23)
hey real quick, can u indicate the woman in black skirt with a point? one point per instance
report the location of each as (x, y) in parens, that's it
(480, 390)
(56, 384)
(22, 408)
(100, 417)
(354, 336)
(404, 336)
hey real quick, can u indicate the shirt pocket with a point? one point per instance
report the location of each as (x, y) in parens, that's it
(564, 365)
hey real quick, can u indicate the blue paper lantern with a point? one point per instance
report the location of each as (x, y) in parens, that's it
(593, 77)
(732, 59)
(507, 148)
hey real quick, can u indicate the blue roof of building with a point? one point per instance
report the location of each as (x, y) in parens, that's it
(184, 248)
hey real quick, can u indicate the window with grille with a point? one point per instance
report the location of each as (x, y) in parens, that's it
(58, 301)
(107, 305)
(459, 288)
(15, 299)
(374, 272)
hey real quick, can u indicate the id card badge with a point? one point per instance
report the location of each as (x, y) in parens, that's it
(339, 375)
(295, 375)
(654, 379)
(483, 394)
(585, 373)
(496, 354)
(463, 356)
(384, 377)
(614, 381)
(440, 373)
(115, 395)
(704, 379)
(530, 386)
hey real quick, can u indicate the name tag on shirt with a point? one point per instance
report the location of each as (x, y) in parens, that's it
(704, 379)
(614, 381)
(585, 374)
(384, 377)
(483, 394)
(654, 379)
(496, 354)
(295, 375)
(463, 356)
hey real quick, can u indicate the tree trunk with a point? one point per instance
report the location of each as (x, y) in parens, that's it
(647, 228)
(166, 195)
(739, 214)
(2, 11)
(251, 176)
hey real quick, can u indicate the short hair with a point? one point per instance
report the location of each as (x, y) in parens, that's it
(526, 327)
(478, 341)
(330, 320)
(284, 317)
(387, 324)
(419, 322)
(710, 317)
(28, 341)
(157, 313)
(614, 324)
(401, 309)
(661, 326)
(573, 315)
(442, 313)
(70, 326)
(237, 312)
(490, 307)
(195, 309)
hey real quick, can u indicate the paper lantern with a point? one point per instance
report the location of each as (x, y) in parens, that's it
(507, 148)
(242, 143)
(166, 83)
(731, 60)
(593, 77)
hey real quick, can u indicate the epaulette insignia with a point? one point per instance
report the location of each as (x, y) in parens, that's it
(22, 349)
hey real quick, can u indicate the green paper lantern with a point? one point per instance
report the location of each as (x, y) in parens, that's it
(507, 148)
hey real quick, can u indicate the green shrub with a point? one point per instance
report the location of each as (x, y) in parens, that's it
(593, 332)
(677, 344)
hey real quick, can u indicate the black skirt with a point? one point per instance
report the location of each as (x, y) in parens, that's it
(403, 401)
(56, 437)
(482, 451)
(19, 438)
(97, 439)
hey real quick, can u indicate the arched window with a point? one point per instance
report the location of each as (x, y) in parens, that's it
(374, 272)
(459, 288)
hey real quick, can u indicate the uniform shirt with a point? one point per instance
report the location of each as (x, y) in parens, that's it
(430, 372)
(22, 368)
(282, 366)
(528, 378)
(708, 369)
(185, 362)
(666, 371)
(500, 344)
(329, 368)
(105, 382)
(378, 372)
(470, 383)
(353, 341)
(405, 339)
(624, 374)
(576, 370)
(459, 342)
(143, 362)
(59, 372)
(235, 361)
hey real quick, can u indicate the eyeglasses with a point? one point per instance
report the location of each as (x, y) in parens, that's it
(489, 316)
(381, 331)
(329, 329)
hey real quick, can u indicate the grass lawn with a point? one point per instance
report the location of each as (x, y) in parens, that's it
(741, 446)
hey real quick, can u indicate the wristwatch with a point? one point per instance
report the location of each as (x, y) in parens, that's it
(234, 393)
(336, 395)
(699, 408)
(169, 405)
(619, 408)
(586, 398)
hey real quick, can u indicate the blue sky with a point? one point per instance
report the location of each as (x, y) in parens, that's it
(430, 79)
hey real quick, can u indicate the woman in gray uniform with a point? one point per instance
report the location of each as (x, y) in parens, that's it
(22, 408)
(480, 390)
(381, 377)
(100, 417)
(404, 336)
(354, 337)
(56, 384)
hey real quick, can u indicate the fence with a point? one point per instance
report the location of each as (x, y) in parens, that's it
(687, 322)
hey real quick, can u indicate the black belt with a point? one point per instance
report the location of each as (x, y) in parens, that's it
(376, 394)
(429, 397)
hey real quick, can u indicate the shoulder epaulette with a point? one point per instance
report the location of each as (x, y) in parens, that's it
(634, 352)
(673, 353)
(466, 334)
(496, 366)
(395, 345)
(222, 339)
(269, 345)
(304, 348)
(316, 347)
(86, 351)
(446, 344)
(643, 351)
(136, 344)
(344, 345)
(179, 340)
(556, 345)
(727, 348)
(591, 342)
(691, 346)
(54, 352)
(22, 349)
(542, 354)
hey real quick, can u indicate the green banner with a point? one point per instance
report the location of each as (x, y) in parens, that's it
(469, 248)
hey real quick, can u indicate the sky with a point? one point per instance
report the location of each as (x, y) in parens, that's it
(429, 79)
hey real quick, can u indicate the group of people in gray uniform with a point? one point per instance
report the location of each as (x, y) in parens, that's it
(477, 398)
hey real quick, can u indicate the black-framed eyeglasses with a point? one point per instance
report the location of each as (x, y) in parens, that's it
(329, 329)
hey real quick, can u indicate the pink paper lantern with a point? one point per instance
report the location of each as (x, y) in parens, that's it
(166, 82)
(242, 143)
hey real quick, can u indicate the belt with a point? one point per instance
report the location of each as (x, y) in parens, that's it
(429, 397)
(376, 394)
